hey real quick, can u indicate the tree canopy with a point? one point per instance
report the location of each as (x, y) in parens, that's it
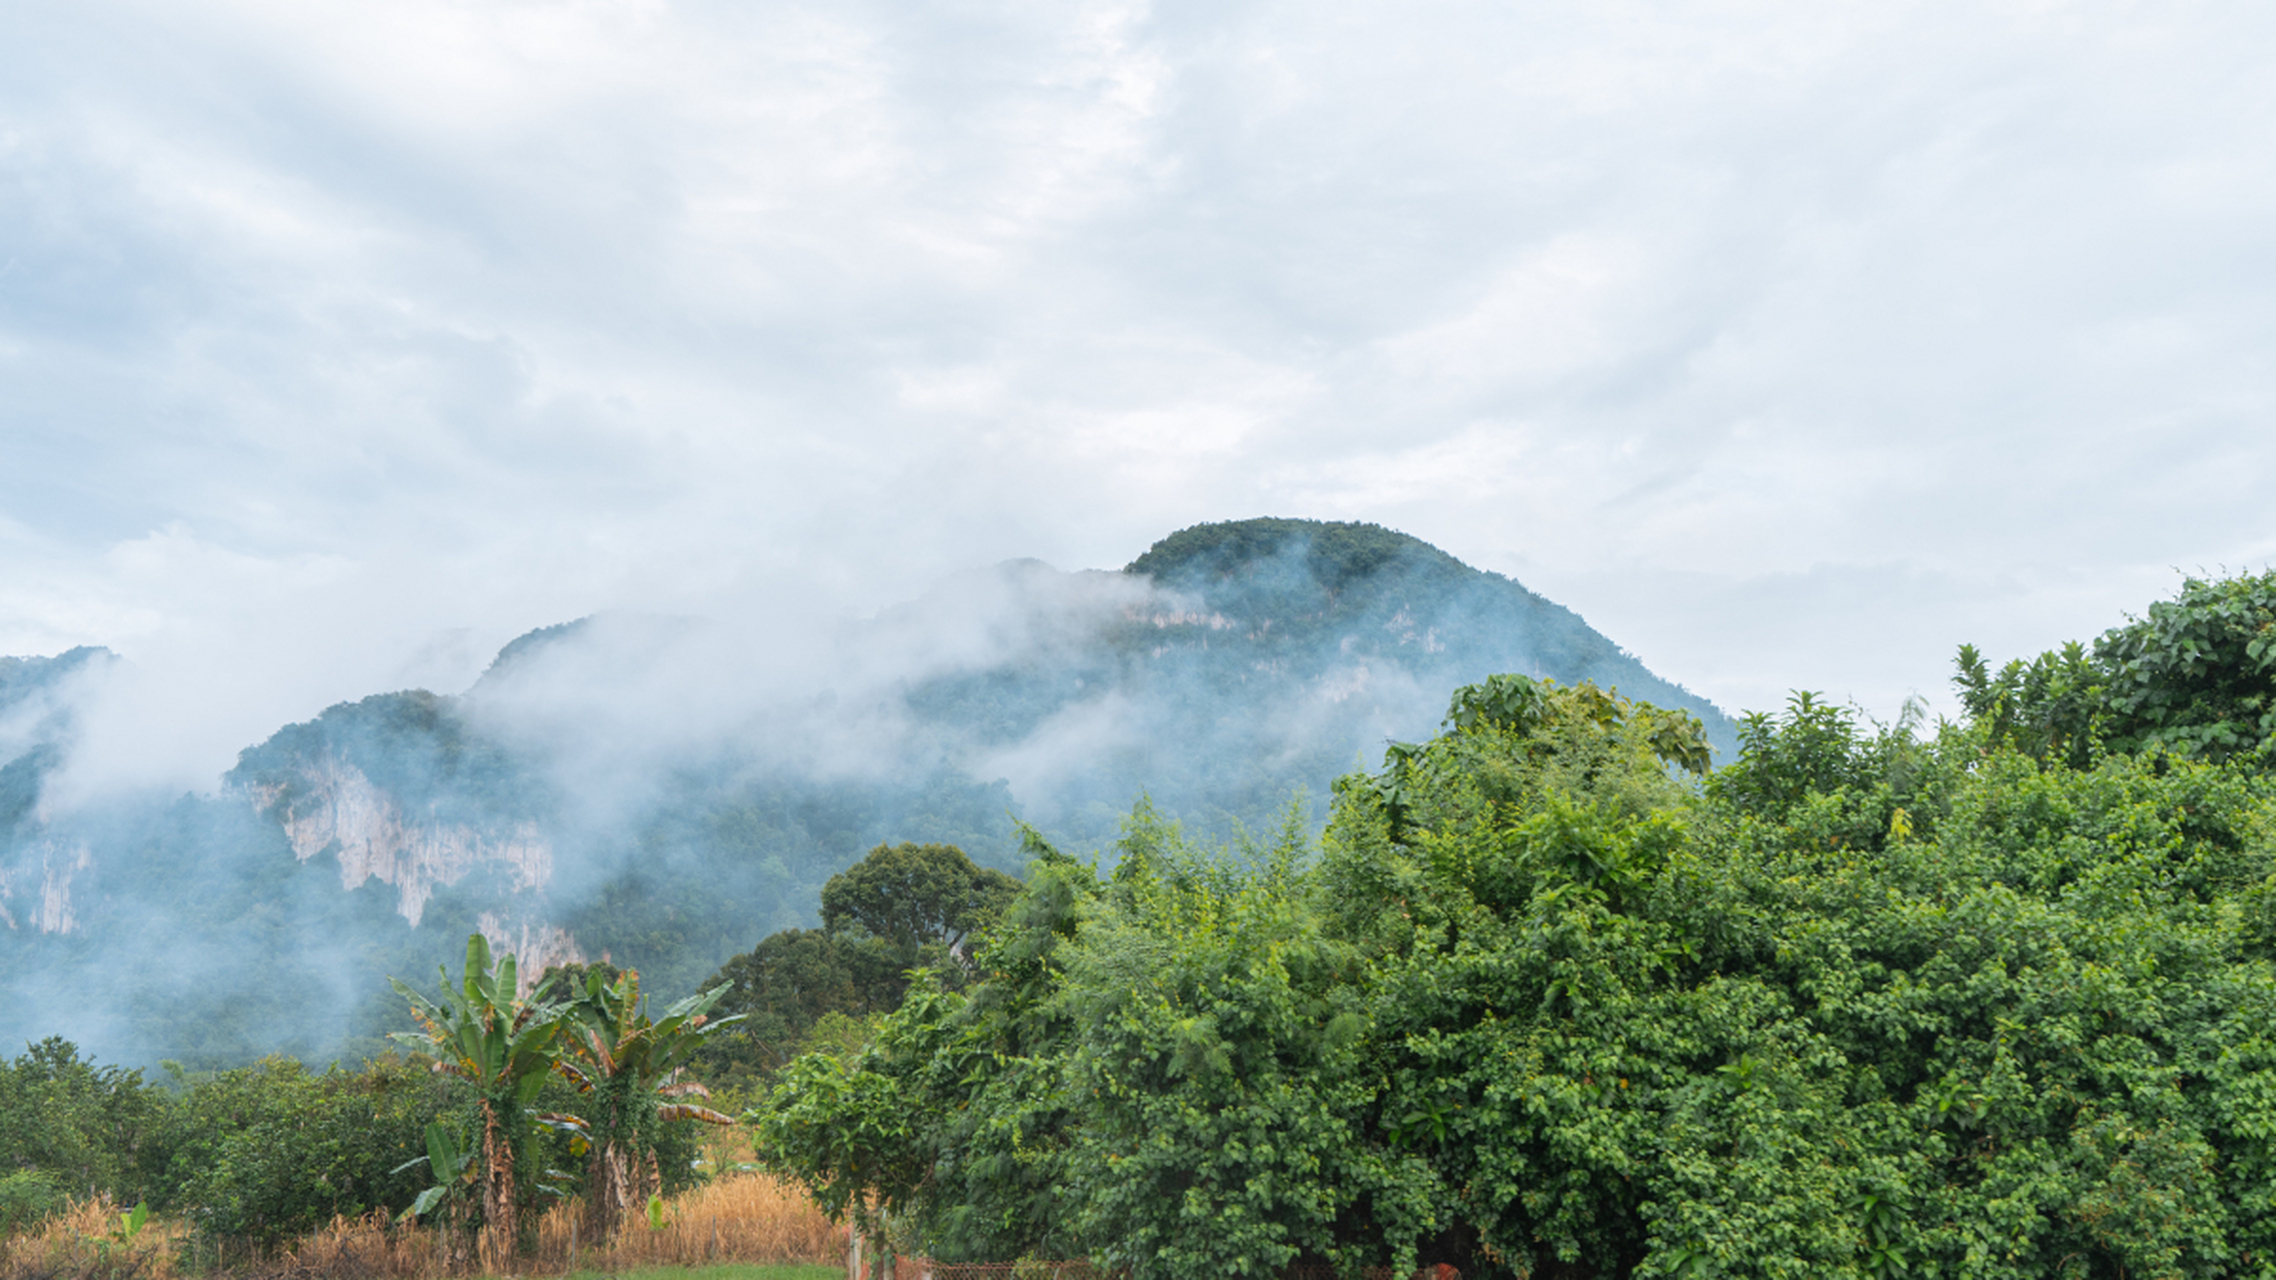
(902, 907)
(1992, 999)
(2195, 676)
(912, 894)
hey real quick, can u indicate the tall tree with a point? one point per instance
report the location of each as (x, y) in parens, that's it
(912, 894)
(630, 1068)
(901, 908)
(2193, 677)
(486, 1033)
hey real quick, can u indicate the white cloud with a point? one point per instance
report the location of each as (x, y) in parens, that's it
(1790, 345)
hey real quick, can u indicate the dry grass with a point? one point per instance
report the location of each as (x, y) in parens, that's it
(739, 1218)
(83, 1241)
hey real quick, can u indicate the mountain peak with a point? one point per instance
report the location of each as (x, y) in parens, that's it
(1331, 552)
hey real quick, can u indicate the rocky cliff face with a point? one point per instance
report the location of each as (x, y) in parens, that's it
(332, 807)
(44, 899)
(630, 787)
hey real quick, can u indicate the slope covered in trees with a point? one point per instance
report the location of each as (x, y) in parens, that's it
(1548, 998)
(1988, 1002)
(665, 792)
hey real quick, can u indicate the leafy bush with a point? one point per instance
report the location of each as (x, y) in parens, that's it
(275, 1150)
(68, 1123)
(27, 1197)
(1862, 1005)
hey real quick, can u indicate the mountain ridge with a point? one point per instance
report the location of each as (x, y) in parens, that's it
(636, 786)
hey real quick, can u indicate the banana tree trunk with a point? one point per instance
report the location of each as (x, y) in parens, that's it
(499, 1216)
(609, 1191)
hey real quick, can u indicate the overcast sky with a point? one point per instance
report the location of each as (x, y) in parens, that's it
(1790, 344)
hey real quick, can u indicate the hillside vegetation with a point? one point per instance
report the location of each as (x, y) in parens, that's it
(1996, 1001)
(1549, 997)
(656, 794)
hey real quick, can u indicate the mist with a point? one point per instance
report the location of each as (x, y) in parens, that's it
(667, 789)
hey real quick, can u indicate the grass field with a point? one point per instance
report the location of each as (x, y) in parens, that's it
(736, 1227)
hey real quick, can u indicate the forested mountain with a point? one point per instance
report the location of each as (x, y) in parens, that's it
(1990, 1000)
(665, 792)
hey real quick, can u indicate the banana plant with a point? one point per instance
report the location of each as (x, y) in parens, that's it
(486, 1033)
(632, 1069)
(449, 1164)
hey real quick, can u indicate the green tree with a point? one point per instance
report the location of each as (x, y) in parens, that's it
(1223, 1090)
(913, 894)
(2195, 676)
(486, 1033)
(792, 979)
(903, 907)
(275, 1150)
(1862, 1005)
(629, 1068)
(954, 1117)
(68, 1125)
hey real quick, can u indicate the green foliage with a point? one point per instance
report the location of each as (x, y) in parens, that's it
(1993, 1001)
(1513, 740)
(27, 1197)
(2045, 708)
(274, 1150)
(132, 1222)
(69, 1124)
(485, 1033)
(628, 1066)
(449, 1164)
(2196, 677)
(902, 907)
(1863, 1005)
(1222, 1092)
(954, 1091)
(786, 984)
(912, 894)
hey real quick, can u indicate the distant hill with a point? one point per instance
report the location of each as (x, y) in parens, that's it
(668, 792)
(1322, 594)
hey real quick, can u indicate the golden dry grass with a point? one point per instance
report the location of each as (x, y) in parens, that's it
(80, 1241)
(738, 1218)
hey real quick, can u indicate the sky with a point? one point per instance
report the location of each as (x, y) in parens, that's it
(1791, 345)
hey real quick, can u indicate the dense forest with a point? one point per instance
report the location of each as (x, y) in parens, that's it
(1552, 995)
(1988, 999)
(665, 793)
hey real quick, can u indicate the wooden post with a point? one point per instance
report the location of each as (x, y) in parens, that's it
(853, 1253)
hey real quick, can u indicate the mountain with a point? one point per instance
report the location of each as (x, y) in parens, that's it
(667, 791)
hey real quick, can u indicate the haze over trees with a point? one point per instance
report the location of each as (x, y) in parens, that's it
(1549, 997)
(900, 909)
(667, 793)
(1993, 1001)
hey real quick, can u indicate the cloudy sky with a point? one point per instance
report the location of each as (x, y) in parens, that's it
(1790, 344)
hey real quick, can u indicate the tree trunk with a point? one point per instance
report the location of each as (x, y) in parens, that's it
(499, 1216)
(608, 1191)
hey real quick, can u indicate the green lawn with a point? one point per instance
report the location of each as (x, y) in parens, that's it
(723, 1271)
